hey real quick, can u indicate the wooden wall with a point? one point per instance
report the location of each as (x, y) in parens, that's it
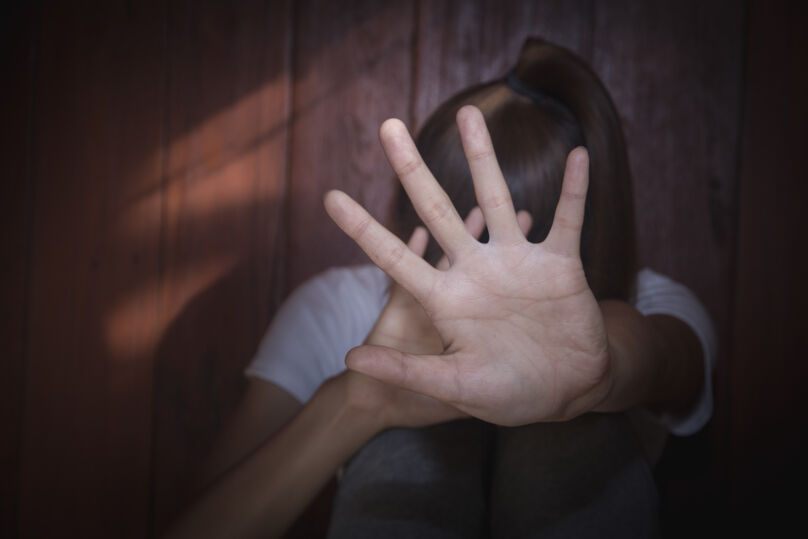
(163, 165)
(764, 408)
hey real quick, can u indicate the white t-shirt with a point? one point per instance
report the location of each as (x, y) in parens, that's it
(335, 311)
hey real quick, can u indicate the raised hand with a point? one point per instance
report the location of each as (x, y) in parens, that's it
(523, 337)
(404, 325)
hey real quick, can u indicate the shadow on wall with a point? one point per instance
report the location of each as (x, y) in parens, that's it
(159, 236)
(198, 383)
(219, 217)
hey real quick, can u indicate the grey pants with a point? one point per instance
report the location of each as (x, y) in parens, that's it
(581, 478)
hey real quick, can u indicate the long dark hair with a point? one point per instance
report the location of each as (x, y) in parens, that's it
(532, 136)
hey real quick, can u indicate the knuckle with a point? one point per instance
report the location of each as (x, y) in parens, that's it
(395, 255)
(360, 228)
(436, 211)
(408, 167)
(497, 200)
(480, 154)
(572, 196)
(565, 222)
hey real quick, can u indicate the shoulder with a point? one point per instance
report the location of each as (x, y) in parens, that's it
(336, 289)
(316, 326)
(365, 280)
(659, 294)
(336, 302)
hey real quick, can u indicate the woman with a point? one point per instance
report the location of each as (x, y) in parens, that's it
(514, 332)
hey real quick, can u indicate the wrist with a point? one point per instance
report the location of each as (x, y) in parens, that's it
(630, 374)
(360, 406)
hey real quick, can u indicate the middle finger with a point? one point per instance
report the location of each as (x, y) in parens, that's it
(430, 200)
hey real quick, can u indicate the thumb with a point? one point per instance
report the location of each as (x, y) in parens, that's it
(435, 376)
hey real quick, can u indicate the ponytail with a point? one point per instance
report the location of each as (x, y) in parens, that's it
(548, 104)
(608, 242)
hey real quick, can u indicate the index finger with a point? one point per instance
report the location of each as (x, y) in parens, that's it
(382, 246)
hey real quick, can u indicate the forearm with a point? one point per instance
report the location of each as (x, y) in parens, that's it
(654, 360)
(264, 493)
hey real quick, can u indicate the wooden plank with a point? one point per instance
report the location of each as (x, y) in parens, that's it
(223, 240)
(675, 75)
(352, 69)
(674, 71)
(462, 44)
(87, 415)
(19, 39)
(465, 43)
(768, 441)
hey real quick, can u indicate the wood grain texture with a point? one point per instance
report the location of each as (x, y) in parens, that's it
(87, 415)
(674, 71)
(465, 43)
(352, 67)
(19, 34)
(768, 430)
(223, 235)
(163, 168)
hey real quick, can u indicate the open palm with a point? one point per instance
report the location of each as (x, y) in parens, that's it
(523, 336)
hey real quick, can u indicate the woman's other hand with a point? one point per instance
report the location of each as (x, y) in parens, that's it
(403, 324)
(523, 337)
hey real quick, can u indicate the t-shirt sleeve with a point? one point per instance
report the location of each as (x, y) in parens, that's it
(657, 294)
(316, 326)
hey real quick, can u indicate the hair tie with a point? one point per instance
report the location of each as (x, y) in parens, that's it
(516, 84)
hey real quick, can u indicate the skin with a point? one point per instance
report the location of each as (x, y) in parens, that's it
(507, 331)
(524, 339)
